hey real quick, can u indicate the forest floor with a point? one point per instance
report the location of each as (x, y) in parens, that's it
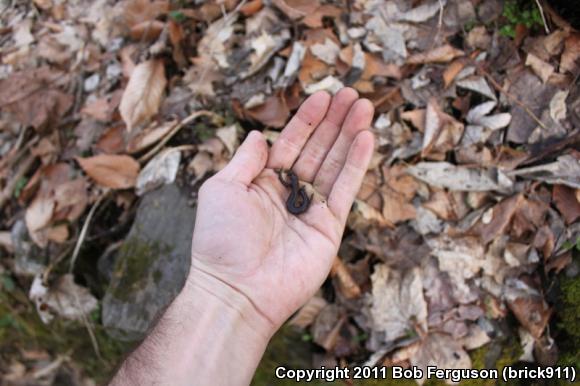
(462, 248)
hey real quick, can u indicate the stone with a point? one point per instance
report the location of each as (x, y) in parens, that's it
(29, 259)
(151, 265)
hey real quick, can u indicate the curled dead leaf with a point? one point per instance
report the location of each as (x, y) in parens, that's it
(110, 170)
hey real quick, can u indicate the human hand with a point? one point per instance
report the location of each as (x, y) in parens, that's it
(246, 241)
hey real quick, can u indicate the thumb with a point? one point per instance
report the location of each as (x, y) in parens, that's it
(248, 161)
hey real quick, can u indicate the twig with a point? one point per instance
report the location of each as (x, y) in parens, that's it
(22, 170)
(543, 16)
(88, 325)
(499, 88)
(151, 153)
(84, 230)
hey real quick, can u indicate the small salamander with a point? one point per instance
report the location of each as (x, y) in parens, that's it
(298, 201)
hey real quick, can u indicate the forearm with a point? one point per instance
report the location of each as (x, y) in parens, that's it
(209, 335)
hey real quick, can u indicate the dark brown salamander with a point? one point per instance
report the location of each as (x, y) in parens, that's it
(298, 201)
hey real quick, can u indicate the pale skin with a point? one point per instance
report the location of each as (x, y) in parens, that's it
(253, 263)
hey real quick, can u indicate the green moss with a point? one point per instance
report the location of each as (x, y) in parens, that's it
(22, 329)
(570, 322)
(286, 348)
(133, 265)
(523, 12)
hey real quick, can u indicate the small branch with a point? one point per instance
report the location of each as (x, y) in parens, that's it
(174, 130)
(11, 185)
(84, 230)
(499, 88)
(543, 16)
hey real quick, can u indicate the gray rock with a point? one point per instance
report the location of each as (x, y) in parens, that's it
(151, 266)
(29, 259)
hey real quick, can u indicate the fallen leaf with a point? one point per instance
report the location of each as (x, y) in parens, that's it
(161, 170)
(308, 312)
(98, 109)
(566, 200)
(346, 284)
(452, 71)
(495, 220)
(528, 306)
(149, 136)
(330, 84)
(274, 112)
(542, 69)
(571, 54)
(140, 15)
(327, 51)
(64, 298)
(481, 125)
(477, 84)
(442, 54)
(565, 171)
(229, 136)
(143, 94)
(112, 141)
(296, 9)
(111, 171)
(441, 351)
(398, 307)
(34, 96)
(479, 38)
(460, 178)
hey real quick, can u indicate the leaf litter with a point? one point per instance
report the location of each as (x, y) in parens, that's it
(466, 215)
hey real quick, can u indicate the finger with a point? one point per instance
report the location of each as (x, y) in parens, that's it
(248, 161)
(289, 144)
(351, 176)
(359, 118)
(324, 136)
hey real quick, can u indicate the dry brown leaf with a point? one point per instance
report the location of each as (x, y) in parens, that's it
(202, 75)
(566, 200)
(449, 206)
(58, 198)
(314, 19)
(149, 136)
(111, 171)
(144, 93)
(251, 7)
(274, 112)
(112, 141)
(416, 117)
(375, 66)
(542, 69)
(98, 109)
(346, 284)
(312, 69)
(571, 54)
(308, 312)
(452, 71)
(442, 54)
(58, 234)
(441, 351)
(528, 306)
(34, 97)
(398, 307)
(495, 221)
(295, 9)
(140, 15)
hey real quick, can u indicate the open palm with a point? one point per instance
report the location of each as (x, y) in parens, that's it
(244, 236)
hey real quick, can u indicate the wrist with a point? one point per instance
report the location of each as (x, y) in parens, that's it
(219, 296)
